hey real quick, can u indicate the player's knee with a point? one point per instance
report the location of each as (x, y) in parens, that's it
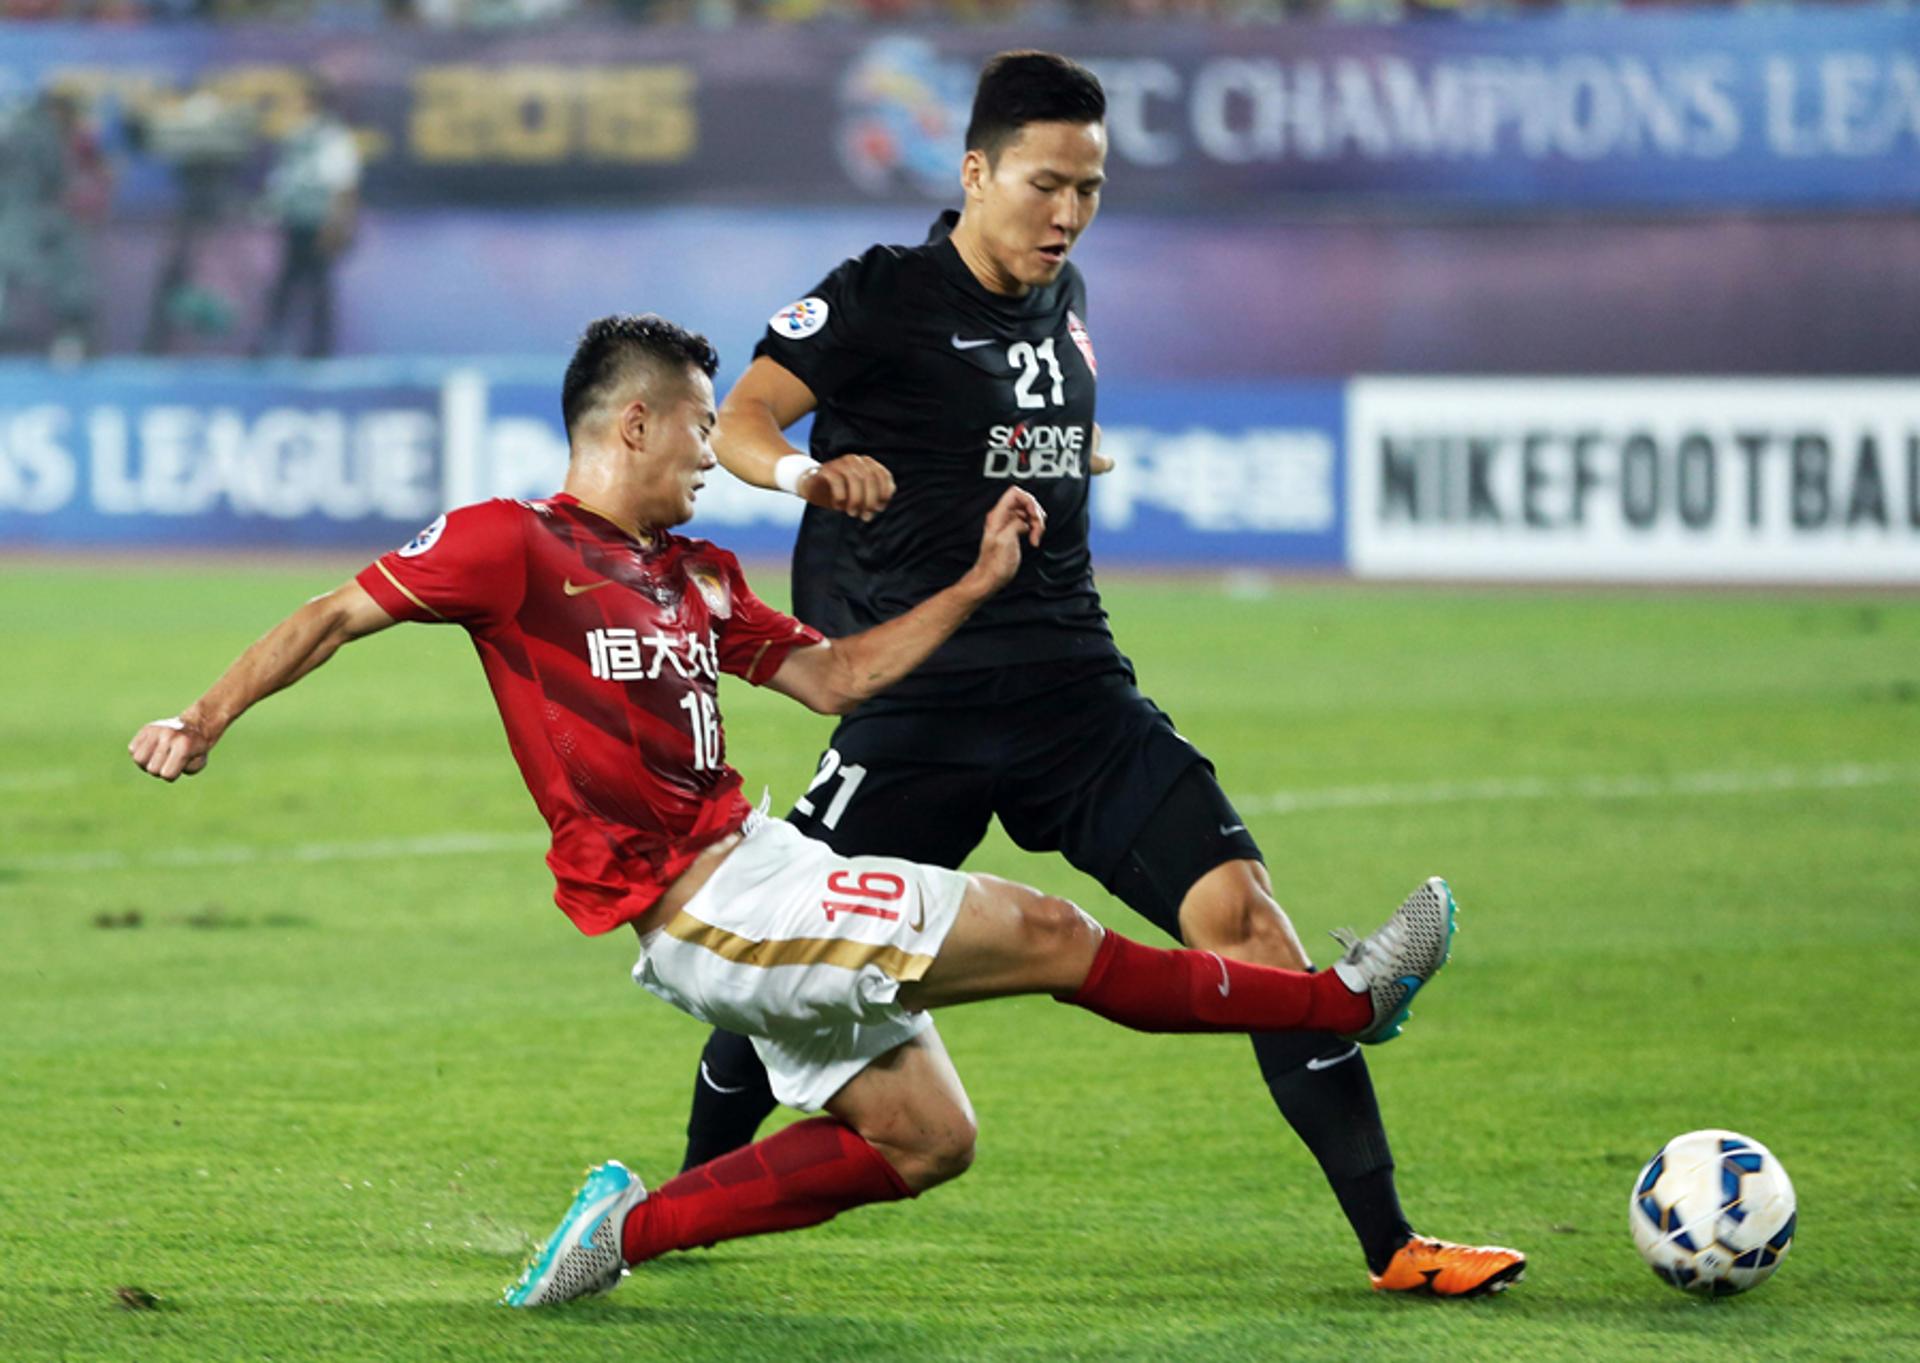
(940, 1153)
(1053, 928)
(952, 1154)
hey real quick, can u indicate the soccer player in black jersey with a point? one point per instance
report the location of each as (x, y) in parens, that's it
(937, 376)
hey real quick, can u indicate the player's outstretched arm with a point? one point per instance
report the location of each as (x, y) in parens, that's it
(750, 440)
(171, 748)
(836, 676)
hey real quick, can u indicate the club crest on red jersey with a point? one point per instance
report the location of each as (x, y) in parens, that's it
(712, 586)
(1078, 330)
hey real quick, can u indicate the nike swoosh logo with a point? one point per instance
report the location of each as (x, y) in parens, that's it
(1226, 983)
(589, 1224)
(1327, 1062)
(919, 922)
(959, 344)
(566, 585)
(602, 1220)
(706, 1077)
(1229, 829)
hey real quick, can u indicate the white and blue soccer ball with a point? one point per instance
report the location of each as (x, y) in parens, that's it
(1713, 1212)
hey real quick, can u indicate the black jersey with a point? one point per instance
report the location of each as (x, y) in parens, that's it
(959, 392)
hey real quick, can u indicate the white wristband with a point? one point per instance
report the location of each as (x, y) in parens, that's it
(789, 469)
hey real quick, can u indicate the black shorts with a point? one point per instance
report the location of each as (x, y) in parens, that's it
(1091, 769)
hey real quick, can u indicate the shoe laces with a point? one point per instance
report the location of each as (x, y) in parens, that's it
(1384, 938)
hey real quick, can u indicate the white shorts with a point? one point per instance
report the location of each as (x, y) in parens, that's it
(805, 951)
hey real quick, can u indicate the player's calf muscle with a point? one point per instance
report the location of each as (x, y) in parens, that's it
(910, 1105)
(1254, 935)
(1229, 911)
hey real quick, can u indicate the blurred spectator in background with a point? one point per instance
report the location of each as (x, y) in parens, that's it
(313, 194)
(54, 188)
(206, 140)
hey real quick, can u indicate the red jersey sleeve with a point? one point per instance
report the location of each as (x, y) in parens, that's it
(468, 568)
(755, 638)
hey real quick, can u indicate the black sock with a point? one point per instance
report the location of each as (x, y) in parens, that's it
(1323, 1089)
(731, 1097)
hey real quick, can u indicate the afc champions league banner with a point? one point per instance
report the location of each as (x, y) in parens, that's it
(358, 455)
(1685, 480)
(1796, 107)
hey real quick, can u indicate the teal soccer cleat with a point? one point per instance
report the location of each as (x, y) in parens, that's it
(582, 1256)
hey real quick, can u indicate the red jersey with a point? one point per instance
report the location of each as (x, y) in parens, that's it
(604, 653)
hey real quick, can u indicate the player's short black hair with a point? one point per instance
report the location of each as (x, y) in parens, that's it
(608, 345)
(1018, 88)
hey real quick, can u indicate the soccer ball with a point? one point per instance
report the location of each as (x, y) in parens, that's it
(1713, 1212)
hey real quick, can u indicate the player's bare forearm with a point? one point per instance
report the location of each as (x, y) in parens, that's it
(170, 748)
(750, 439)
(835, 677)
(867, 663)
(275, 661)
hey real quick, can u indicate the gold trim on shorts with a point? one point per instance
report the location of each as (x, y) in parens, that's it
(904, 966)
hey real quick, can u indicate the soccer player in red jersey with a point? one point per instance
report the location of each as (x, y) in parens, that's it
(603, 635)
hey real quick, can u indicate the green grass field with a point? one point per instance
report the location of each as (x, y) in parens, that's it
(301, 1048)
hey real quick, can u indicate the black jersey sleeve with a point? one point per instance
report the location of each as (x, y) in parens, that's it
(840, 331)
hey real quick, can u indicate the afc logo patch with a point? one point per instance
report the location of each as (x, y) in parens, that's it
(426, 539)
(797, 321)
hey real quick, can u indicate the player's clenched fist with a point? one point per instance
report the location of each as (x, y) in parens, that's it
(852, 483)
(170, 749)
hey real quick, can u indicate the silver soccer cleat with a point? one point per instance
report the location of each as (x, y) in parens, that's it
(1396, 960)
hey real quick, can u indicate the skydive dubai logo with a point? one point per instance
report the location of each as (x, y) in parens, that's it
(1025, 451)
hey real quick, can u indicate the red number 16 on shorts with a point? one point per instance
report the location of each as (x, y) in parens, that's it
(876, 888)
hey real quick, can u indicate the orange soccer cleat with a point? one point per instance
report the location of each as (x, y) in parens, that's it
(1444, 1269)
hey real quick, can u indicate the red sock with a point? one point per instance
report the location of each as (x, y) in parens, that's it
(806, 1174)
(1151, 990)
